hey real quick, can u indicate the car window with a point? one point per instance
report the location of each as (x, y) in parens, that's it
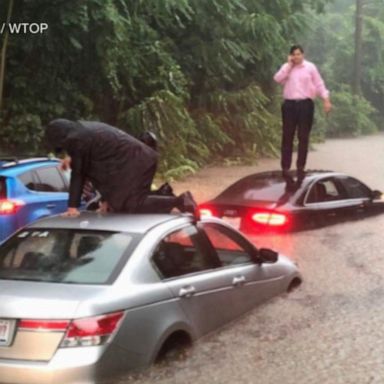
(63, 256)
(50, 180)
(355, 189)
(181, 253)
(325, 191)
(29, 180)
(231, 249)
(255, 188)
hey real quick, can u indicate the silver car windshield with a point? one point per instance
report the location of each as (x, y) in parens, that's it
(65, 256)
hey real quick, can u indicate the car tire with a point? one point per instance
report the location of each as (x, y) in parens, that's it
(174, 347)
(294, 284)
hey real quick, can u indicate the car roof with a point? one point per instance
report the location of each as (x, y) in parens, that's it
(13, 166)
(115, 222)
(310, 175)
(275, 177)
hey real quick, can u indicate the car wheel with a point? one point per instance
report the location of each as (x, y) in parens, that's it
(294, 284)
(175, 347)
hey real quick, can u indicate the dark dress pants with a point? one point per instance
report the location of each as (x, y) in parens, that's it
(296, 114)
(143, 200)
(157, 204)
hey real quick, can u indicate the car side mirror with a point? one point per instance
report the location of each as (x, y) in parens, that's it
(267, 255)
(376, 195)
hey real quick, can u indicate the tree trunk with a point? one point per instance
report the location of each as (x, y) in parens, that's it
(358, 48)
(3, 53)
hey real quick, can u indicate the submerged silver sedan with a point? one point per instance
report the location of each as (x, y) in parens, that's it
(85, 298)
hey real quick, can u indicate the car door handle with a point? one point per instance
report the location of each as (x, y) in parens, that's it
(51, 206)
(187, 291)
(238, 281)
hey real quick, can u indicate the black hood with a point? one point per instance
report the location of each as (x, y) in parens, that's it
(62, 133)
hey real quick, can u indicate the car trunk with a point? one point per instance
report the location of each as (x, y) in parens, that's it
(237, 213)
(22, 302)
(233, 207)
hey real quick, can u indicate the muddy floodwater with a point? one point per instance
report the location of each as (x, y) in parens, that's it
(331, 329)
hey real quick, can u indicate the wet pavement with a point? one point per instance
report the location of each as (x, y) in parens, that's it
(330, 330)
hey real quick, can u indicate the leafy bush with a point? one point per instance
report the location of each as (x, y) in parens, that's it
(181, 146)
(195, 72)
(351, 116)
(248, 126)
(22, 134)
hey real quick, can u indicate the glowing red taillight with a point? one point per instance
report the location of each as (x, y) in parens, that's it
(94, 326)
(205, 212)
(44, 325)
(80, 332)
(208, 211)
(92, 330)
(10, 206)
(270, 218)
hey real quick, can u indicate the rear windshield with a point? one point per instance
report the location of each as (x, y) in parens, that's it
(256, 188)
(65, 256)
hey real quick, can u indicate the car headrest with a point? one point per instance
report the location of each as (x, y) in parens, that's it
(88, 244)
(175, 253)
(321, 191)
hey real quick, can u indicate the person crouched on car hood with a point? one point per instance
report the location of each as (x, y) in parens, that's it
(119, 166)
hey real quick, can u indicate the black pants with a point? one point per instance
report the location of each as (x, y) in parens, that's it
(163, 200)
(296, 114)
(157, 204)
(151, 203)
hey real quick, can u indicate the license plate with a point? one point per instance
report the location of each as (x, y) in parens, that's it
(234, 221)
(7, 328)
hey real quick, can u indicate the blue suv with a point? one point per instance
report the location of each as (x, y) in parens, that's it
(30, 189)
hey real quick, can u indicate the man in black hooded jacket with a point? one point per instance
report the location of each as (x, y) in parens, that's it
(119, 166)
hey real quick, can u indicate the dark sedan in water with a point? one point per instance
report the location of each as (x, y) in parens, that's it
(267, 200)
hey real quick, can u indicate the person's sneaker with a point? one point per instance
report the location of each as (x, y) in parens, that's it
(165, 190)
(188, 204)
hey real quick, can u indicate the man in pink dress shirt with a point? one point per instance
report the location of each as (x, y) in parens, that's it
(302, 84)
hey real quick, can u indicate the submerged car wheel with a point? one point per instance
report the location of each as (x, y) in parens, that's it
(174, 348)
(296, 282)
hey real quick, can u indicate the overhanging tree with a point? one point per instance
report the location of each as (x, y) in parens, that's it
(198, 72)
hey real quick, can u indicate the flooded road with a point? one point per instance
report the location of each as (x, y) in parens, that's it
(330, 330)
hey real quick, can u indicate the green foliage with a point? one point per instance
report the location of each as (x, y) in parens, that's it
(165, 114)
(244, 118)
(25, 128)
(351, 116)
(331, 45)
(196, 72)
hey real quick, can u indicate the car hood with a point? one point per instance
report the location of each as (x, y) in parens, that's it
(24, 299)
